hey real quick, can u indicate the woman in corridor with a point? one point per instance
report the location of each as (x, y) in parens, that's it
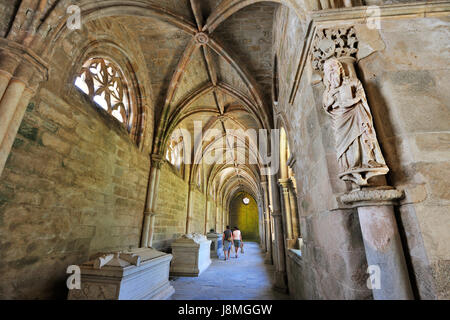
(237, 239)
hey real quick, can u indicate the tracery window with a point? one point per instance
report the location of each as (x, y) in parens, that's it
(105, 84)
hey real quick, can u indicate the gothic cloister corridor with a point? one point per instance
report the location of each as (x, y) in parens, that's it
(133, 132)
(244, 278)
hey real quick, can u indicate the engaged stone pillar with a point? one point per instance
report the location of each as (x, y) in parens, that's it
(205, 228)
(190, 207)
(21, 72)
(268, 259)
(382, 241)
(280, 283)
(216, 221)
(262, 232)
(294, 209)
(286, 211)
(152, 193)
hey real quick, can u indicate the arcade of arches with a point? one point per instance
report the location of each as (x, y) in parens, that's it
(124, 125)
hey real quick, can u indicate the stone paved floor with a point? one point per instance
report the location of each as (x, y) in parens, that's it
(244, 278)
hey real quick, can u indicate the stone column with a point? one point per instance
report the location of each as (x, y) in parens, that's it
(294, 210)
(216, 220)
(206, 214)
(21, 72)
(190, 207)
(262, 232)
(150, 205)
(382, 241)
(280, 281)
(268, 258)
(286, 212)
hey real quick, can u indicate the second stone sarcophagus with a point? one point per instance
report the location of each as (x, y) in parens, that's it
(191, 255)
(140, 274)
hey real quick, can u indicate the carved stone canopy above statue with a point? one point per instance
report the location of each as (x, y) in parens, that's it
(337, 43)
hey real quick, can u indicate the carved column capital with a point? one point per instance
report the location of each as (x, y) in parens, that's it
(372, 197)
(156, 160)
(22, 64)
(284, 184)
(150, 213)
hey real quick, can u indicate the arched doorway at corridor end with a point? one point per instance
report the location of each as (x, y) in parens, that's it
(244, 215)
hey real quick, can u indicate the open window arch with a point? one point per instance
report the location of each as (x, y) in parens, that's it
(105, 73)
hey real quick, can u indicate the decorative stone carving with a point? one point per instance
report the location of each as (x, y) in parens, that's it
(369, 197)
(329, 43)
(358, 153)
(105, 84)
(201, 38)
(191, 255)
(140, 274)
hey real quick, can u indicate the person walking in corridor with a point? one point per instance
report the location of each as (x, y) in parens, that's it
(227, 239)
(237, 239)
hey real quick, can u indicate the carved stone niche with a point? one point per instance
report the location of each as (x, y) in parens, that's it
(191, 255)
(140, 274)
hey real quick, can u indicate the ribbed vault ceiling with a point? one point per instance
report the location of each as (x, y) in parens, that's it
(220, 76)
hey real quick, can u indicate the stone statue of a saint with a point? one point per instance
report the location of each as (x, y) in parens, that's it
(358, 152)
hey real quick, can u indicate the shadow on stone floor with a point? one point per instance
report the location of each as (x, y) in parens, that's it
(242, 278)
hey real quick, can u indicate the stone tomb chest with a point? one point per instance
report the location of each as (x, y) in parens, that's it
(139, 274)
(216, 244)
(191, 255)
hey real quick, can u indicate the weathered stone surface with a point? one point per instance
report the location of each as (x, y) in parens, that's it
(139, 274)
(76, 183)
(191, 255)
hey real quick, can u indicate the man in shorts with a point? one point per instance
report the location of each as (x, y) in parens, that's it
(227, 239)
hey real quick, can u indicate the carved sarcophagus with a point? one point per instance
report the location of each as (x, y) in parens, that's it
(191, 255)
(216, 244)
(140, 274)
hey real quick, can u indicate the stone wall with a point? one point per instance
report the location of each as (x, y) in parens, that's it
(333, 263)
(75, 181)
(199, 211)
(74, 185)
(404, 71)
(171, 207)
(407, 85)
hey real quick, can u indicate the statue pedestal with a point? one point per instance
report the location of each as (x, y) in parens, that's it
(140, 274)
(191, 255)
(216, 244)
(389, 278)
